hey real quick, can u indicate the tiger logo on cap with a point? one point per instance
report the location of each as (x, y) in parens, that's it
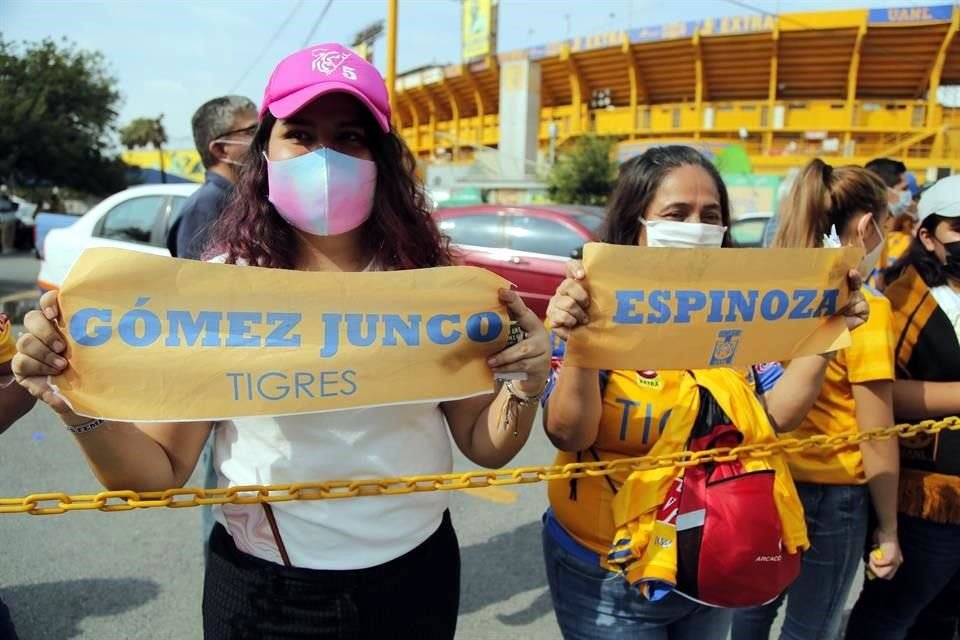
(326, 61)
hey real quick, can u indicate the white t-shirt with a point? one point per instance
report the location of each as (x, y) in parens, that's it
(353, 444)
(949, 301)
(351, 533)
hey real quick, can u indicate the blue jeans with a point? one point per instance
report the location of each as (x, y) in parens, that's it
(593, 603)
(931, 563)
(836, 517)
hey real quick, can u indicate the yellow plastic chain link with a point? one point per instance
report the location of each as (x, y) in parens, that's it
(110, 501)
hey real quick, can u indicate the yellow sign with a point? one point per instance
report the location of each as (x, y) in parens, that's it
(156, 339)
(479, 28)
(737, 25)
(659, 309)
(183, 163)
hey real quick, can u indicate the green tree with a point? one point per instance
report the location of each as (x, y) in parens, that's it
(58, 105)
(146, 132)
(586, 175)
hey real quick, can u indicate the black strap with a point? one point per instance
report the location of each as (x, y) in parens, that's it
(272, 521)
(596, 457)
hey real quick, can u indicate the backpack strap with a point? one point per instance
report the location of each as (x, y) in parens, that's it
(596, 457)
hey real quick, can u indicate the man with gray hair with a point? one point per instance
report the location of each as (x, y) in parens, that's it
(222, 131)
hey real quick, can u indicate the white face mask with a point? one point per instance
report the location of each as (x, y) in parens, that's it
(683, 235)
(870, 260)
(904, 200)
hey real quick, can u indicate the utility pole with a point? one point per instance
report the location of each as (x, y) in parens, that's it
(392, 52)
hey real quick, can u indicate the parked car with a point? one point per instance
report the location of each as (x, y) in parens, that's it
(528, 245)
(26, 211)
(44, 223)
(137, 218)
(747, 230)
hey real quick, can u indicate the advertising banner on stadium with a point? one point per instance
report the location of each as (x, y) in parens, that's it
(657, 308)
(156, 339)
(479, 28)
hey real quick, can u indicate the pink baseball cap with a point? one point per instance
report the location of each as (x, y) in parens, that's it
(321, 69)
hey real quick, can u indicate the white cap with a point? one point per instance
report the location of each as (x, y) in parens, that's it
(943, 199)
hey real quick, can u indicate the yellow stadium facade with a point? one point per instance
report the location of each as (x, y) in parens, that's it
(851, 85)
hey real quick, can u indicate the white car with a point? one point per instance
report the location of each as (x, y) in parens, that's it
(747, 230)
(137, 218)
(25, 211)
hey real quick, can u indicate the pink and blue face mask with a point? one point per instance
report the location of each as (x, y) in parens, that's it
(323, 193)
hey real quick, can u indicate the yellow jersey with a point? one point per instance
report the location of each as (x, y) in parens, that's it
(869, 358)
(897, 244)
(7, 347)
(894, 246)
(637, 407)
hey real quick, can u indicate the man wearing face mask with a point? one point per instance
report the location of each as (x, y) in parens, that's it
(903, 210)
(222, 130)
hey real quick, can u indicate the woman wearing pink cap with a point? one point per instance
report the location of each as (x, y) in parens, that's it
(327, 186)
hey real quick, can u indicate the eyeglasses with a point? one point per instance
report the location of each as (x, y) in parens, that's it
(247, 131)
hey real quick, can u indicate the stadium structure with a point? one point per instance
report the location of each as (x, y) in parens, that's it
(847, 86)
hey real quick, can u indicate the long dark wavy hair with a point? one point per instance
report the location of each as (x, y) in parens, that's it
(400, 233)
(926, 263)
(637, 185)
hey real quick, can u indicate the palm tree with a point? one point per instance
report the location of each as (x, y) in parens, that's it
(144, 132)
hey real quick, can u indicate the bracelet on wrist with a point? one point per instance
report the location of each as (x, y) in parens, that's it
(86, 426)
(524, 398)
(509, 414)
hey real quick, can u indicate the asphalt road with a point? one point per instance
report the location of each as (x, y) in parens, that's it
(138, 574)
(18, 271)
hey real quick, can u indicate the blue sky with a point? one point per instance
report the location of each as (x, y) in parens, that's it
(171, 55)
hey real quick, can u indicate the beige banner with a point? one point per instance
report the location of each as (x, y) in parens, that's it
(656, 308)
(157, 339)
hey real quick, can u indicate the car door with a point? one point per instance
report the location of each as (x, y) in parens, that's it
(539, 248)
(479, 237)
(171, 223)
(134, 224)
(174, 211)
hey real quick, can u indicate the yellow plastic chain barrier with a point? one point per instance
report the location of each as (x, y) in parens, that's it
(336, 489)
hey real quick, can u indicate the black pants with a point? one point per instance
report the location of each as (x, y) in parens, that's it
(939, 621)
(415, 596)
(887, 609)
(7, 632)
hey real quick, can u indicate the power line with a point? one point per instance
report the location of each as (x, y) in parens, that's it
(316, 24)
(276, 33)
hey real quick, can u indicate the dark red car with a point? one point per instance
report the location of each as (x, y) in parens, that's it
(528, 245)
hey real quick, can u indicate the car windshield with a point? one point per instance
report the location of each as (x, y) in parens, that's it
(591, 222)
(748, 233)
(588, 216)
